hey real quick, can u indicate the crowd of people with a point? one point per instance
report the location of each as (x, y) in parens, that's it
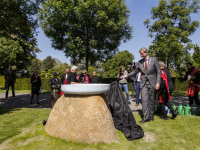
(148, 76)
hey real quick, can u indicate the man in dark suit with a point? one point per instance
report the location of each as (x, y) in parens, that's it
(64, 77)
(95, 79)
(10, 78)
(150, 81)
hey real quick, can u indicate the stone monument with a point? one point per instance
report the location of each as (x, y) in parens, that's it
(82, 114)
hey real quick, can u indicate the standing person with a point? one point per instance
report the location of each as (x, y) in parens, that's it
(193, 78)
(10, 79)
(95, 78)
(36, 86)
(64, 76)
(123, 82)
(64, 79)
(137, 83)
(71, 79)
(132, 81)
(150, 81)
(85, 77)
(166, 89)
(55, 85)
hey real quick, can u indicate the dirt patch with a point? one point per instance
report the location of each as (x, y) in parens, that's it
(149, 137)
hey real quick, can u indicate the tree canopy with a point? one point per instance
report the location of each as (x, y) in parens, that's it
(86, 29)
(18, 26)
(172, 29)
(112, 66)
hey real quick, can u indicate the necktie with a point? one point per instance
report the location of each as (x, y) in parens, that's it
(146, 64)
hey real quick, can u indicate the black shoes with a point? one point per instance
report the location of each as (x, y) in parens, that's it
(174, 115)
(164, 118)
(143, 121)
(129, 103)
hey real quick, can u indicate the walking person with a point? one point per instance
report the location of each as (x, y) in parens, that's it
(55, 85)
(150, 82)
(123, 82)
(166, 89)
(192, 76)
(36, 86)
(10, 79)
(137, 83)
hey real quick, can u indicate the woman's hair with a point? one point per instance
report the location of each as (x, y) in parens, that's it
(73, 68)
(161, 63)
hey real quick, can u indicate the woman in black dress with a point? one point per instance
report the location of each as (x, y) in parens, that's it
(166, 89)
(36, 86)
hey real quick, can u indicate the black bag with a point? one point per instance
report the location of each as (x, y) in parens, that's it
(122, 115)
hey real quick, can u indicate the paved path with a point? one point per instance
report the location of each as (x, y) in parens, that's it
(22, 100)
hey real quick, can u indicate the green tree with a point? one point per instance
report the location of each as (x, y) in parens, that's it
(196, 56)
(172, 29)
(18, 25)
(86, 29)
(8, 53)
(111, 66)
(36, 65)
(91, 70)
(48, 63)
(59, 67)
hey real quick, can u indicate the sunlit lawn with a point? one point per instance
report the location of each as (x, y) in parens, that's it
(23, 129)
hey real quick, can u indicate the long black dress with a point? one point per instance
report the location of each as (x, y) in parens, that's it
(35, 85)
(122, 116)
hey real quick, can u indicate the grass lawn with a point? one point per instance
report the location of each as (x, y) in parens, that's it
(23, 129)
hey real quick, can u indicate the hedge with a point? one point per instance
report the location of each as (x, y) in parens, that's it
(24, 83)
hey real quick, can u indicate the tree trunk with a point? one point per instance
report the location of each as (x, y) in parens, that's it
(87, 59)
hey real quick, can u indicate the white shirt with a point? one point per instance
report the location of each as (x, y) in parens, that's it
(66, 76)
(139, 77)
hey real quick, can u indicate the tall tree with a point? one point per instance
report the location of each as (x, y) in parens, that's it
(86, 29)
(196, 56)
(113, 65)
(48, 63)
(36, 65)
(172, 29)
(18, 25)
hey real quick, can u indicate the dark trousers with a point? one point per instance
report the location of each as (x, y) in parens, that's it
(196, 98)
(137, 92)
(8, 84)
(166, 103)
(148, 101)
(133, 87)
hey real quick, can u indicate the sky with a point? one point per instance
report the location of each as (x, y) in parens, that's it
(139, 11)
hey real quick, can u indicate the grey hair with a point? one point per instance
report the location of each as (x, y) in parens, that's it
(55, 73)
(73, 68)
(161, 63)
(143, 49)
(94, 71)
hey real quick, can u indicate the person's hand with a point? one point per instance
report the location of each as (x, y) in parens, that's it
(122, 77)
(191, 82)
(157, 86)
(128, 68)
(182, 77)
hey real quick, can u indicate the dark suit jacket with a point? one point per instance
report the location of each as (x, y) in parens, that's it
(153, 72)
(63, 78)
(95, 80)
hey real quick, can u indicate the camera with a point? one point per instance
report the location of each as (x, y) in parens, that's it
(120, 70)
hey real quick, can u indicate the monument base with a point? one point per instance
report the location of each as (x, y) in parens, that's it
(80, 118)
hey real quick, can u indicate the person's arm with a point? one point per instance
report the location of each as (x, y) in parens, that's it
(158, 71)
(40, 82)
(137, 69)
(185, 77)
(162, 86)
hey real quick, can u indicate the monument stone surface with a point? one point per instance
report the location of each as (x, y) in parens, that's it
(82, 117)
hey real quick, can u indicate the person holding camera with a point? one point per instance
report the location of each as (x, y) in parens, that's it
(192, 76)
(85, 77)
(123, 82)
